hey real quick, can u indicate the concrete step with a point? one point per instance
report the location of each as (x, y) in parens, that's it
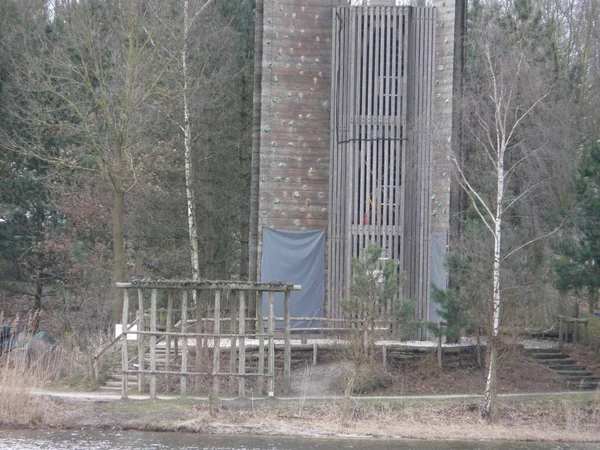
(532, 351)
(584, 386)
(568, 367)
(549, 356)
(558, 362)
(585, 379)
(575, 373)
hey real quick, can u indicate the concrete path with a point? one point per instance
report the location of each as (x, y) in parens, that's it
(102, 396)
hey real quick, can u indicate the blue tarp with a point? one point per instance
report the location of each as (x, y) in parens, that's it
(296, 257)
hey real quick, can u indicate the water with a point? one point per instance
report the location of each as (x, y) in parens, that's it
(131, 440)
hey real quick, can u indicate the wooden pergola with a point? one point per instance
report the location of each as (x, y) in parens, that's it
(229, 328)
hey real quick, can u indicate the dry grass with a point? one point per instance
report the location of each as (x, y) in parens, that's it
(546, 419)
(17, 405)
(37, 365)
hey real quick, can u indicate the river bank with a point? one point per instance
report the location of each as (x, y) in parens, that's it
(540, 418)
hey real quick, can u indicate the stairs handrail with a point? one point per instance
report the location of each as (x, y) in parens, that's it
(108, 346)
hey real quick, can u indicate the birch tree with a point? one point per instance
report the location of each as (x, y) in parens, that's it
(502, 114)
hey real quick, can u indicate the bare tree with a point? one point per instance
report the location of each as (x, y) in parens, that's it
(502, 111)
(85, 78)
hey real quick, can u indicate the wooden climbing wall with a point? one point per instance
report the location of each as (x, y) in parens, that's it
(404, 205)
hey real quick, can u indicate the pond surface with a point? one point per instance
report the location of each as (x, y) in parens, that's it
(131, 440)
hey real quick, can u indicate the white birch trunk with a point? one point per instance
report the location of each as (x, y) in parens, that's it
(189, 178)
(490, 386)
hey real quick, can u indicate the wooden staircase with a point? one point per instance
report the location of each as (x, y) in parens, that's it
(578, 377)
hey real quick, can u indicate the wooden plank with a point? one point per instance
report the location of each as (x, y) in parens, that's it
(216, 347)
(184, 344)
(242, 346)
(331, 235)
(124, 354)
(271, 324)
(153, 318)
(140, 339)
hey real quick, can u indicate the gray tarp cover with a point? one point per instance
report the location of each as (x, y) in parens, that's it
(296, 257)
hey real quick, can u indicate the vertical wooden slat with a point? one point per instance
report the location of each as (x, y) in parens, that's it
(260, 328)
(369, 135)
(153, 318)
(350, 146)
(242, 346)
(402, 160)
(364, 88)
(271, 323)
(331, 217)
(124, 353)
(168, 339)
(386, 86)
(184, 343)
(216, 346)
(140, 340)
(287, 356)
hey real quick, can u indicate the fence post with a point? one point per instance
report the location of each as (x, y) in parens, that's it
(214, 398)
(271, 323)
(242, 346)
(260, 329)
(168, 338)
(287, 356)
(140, 341)
(124, 355)
(439, 346)
(560, 333)
(184, 343)
(153, 320)
(233, 326)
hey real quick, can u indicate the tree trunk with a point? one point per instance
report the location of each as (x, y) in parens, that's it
(189, 175)
(490, 387)
(118, 250)
(255, 164)
(490, 403)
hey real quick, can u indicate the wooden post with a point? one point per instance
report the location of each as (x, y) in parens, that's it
(216, 349)
(575, 330)
(560, 333)
(184, 345)
(242, 346)
(315, 349)
(199, 340)
(478, 348)
(168, 339)
(586, 336)
(233, 326)
(140, 341)
(271, 323)
(439, 346)
(260, 328)
(153, 320)
(124, 355)
(287, 352)
(384, 356)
